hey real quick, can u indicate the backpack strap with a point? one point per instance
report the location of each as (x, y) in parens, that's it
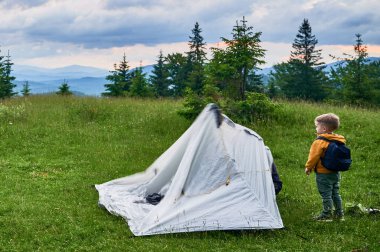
(328, 140)
(324, 138)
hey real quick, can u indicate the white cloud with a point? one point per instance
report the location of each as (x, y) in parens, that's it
(96, 32)
(54, 55)
(97, 23)
(333, 22)
(47, 54)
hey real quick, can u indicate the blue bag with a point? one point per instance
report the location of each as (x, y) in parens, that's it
(337, 156)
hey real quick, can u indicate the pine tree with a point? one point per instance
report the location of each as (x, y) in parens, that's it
(232, 67)
(6, 78)
(309, 79)
(177, 68)
(115, 88)
(196, 58)
(120, 79)
(3, 87)
(302, 76)
(197, 46)
(139, 84)
(255, 83)
(219, 73)
(282, 80)
(272, 90)
(160, 78)
(304, 46)
(374, 81)
(354, 80)
(358, 86)
(64, 89)
(25, 89)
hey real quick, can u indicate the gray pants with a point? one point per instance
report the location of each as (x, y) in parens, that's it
(328, 187)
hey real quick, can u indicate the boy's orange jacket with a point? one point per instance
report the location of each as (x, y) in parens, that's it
(317, 150)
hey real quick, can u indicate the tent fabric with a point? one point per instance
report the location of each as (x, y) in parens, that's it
(216, 176)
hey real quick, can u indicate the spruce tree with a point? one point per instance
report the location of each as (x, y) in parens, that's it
(6, 78)
(374, 81)
(64, 89)
(177, 68)
(197, 46)
(255, 83)
(304, 46)
(358, 86)
(309, 79)
(139, 84)
(3, 87)
(120, 79)
(233, 66)
(25, 89)
(302, 76)
(196, 58)
(160, 78)
(354, 80)
(282, 80)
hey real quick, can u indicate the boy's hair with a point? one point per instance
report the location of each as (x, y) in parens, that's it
(330, 121)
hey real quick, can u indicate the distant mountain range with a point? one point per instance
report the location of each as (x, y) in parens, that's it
(328, 67)
(334, 65)
(90, 80)
(81, 79)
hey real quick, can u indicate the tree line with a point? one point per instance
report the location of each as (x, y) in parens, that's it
(171, 75)
(355, 80)
(177, 74)
(229, 76)
(231, 72)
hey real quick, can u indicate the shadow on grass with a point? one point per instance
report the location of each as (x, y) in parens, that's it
(217, 234)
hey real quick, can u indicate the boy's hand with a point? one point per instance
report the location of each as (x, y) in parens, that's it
(307, 172)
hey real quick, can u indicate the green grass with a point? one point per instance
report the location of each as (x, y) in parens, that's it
(54, 149)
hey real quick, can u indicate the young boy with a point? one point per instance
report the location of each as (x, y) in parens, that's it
(327, 180)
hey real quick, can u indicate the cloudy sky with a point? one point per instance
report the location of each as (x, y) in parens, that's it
(56, 33)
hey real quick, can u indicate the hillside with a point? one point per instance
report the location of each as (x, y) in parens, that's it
(54, 149)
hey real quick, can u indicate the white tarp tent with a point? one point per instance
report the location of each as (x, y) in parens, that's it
(216, 176)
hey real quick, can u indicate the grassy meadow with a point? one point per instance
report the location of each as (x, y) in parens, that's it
(54, 149)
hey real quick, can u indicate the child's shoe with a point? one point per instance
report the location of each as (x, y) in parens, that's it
(339, 216)
(323, 218)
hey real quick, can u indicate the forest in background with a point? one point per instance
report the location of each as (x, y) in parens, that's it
(229, 76)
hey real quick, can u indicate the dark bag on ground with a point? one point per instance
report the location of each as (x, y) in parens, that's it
(154, 198)
(337, 156)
